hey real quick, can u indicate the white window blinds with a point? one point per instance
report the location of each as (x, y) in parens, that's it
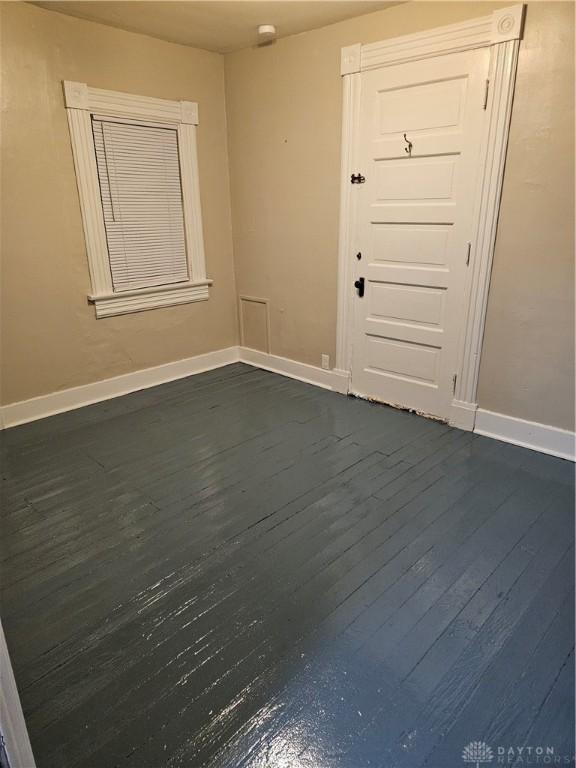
(139, 173)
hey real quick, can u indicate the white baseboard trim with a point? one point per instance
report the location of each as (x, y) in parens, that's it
(463, 415)
(12, 723)
(529, 434)
(22, 412)
(335, 380)
(69, 399)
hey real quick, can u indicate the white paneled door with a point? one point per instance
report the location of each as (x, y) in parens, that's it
(420, 131)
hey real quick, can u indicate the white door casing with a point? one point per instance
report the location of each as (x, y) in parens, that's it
(421, 320)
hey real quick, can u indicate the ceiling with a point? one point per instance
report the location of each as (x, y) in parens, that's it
(216, 25)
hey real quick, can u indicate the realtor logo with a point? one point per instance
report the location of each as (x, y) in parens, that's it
(477, 752)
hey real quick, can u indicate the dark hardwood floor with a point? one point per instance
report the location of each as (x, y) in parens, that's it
(239, 570)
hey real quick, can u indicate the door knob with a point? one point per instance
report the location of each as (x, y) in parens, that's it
(359, 285)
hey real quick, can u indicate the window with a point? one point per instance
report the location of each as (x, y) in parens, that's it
(137, 175)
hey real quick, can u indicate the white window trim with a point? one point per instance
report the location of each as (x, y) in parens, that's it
(81, 103)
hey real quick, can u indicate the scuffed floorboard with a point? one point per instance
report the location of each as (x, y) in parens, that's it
(239, 570)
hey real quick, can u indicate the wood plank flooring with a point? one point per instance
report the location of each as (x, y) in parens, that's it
(239, 570)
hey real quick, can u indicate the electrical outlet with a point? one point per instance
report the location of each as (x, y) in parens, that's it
(326, 362)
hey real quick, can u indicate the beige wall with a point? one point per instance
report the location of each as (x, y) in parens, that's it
(527, 365)
(51, 339)
(284, 118)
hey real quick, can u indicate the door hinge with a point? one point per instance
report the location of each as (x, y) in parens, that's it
(357, 178)
(486, 90)
(468, 254)
(454, 379)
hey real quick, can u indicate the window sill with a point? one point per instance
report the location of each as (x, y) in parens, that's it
(127, 302)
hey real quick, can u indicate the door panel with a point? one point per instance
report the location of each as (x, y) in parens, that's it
(409, 108)
(427, 178)
(410, 362)
(415, 219)
(407, 302)
(413, 244)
